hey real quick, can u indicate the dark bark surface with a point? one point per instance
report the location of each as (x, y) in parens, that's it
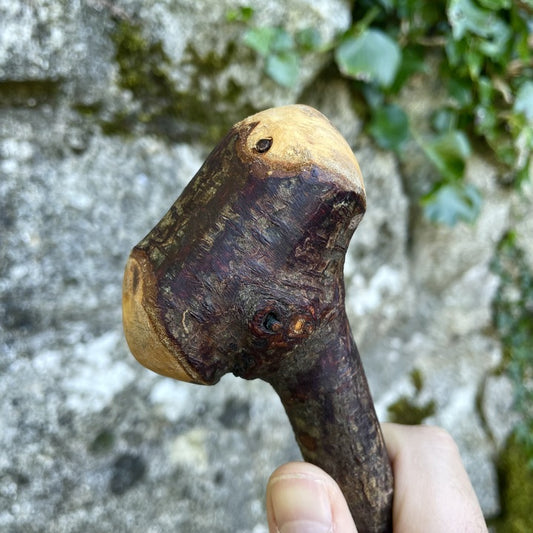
(244, 274)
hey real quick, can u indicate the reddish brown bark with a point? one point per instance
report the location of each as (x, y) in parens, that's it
(244, 274)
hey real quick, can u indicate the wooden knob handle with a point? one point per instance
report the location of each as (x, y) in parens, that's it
(244, 274)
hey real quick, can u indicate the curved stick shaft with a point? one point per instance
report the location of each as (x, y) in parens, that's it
(244, 274)
(333, 417)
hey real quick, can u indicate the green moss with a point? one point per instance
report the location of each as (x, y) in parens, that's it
(163, 109)
(103, 442)
(142, 65)
(88, 110)
(406, 411)
(417, 379)
(516, 489)
(409, 410)
(28, 92)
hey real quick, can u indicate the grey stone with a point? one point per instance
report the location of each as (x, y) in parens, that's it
(458, 249)
(47, 48)
(197, 26)
(497, 406)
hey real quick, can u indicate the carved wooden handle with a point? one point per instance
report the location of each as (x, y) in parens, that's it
(244, 274)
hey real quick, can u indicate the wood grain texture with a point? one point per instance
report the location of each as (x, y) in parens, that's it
(244, 274)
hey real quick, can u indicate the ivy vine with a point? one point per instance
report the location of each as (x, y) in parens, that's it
(484, 49)
(512, 311)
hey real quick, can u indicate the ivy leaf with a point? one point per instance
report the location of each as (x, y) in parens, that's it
(413, 61)
(268, 39)
(389, 127)
(277, 46)
(453, 203)
(282, 41)
(496, 5)
(372, 57)
(449, 153)
(283, 68)
(387, 4)
(524, 101)
(444, 119)
(461, 91)
(474, 60)
(240, 14)
(308, 40)
(465, 17)
(260, 39)
(373, 95)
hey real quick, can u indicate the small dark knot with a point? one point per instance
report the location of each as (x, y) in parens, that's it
(263, 145)
(271, 322)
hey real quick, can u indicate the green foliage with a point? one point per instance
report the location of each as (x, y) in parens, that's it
(513, 319)
(282, 51)
(489, 58)
(449, 152)
(278, 48)
(240, 14)
(389, 126)
(478, 27)
(372, 57)
(451, 200)
(308, 40)
(524, 101)
(485, 55)
(452, 203)
(268, 40)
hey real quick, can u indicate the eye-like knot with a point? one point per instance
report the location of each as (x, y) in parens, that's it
(271, 322)
(263, 145)
(267, 321)
(282, 325)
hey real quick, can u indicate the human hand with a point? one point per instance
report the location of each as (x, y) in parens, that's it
(432, 491)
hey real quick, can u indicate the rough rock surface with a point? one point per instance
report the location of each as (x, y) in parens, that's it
(91, 441)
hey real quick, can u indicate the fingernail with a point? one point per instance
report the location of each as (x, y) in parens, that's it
(300, 504)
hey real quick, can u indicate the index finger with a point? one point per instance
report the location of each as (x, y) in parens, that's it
(432, 491)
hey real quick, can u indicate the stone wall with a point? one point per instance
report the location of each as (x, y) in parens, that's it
(107, 109)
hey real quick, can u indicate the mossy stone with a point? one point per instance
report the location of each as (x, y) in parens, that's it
(406, 411)
(516, 488)
(163, 110)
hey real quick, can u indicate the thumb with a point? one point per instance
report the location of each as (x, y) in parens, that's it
(302, 498)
